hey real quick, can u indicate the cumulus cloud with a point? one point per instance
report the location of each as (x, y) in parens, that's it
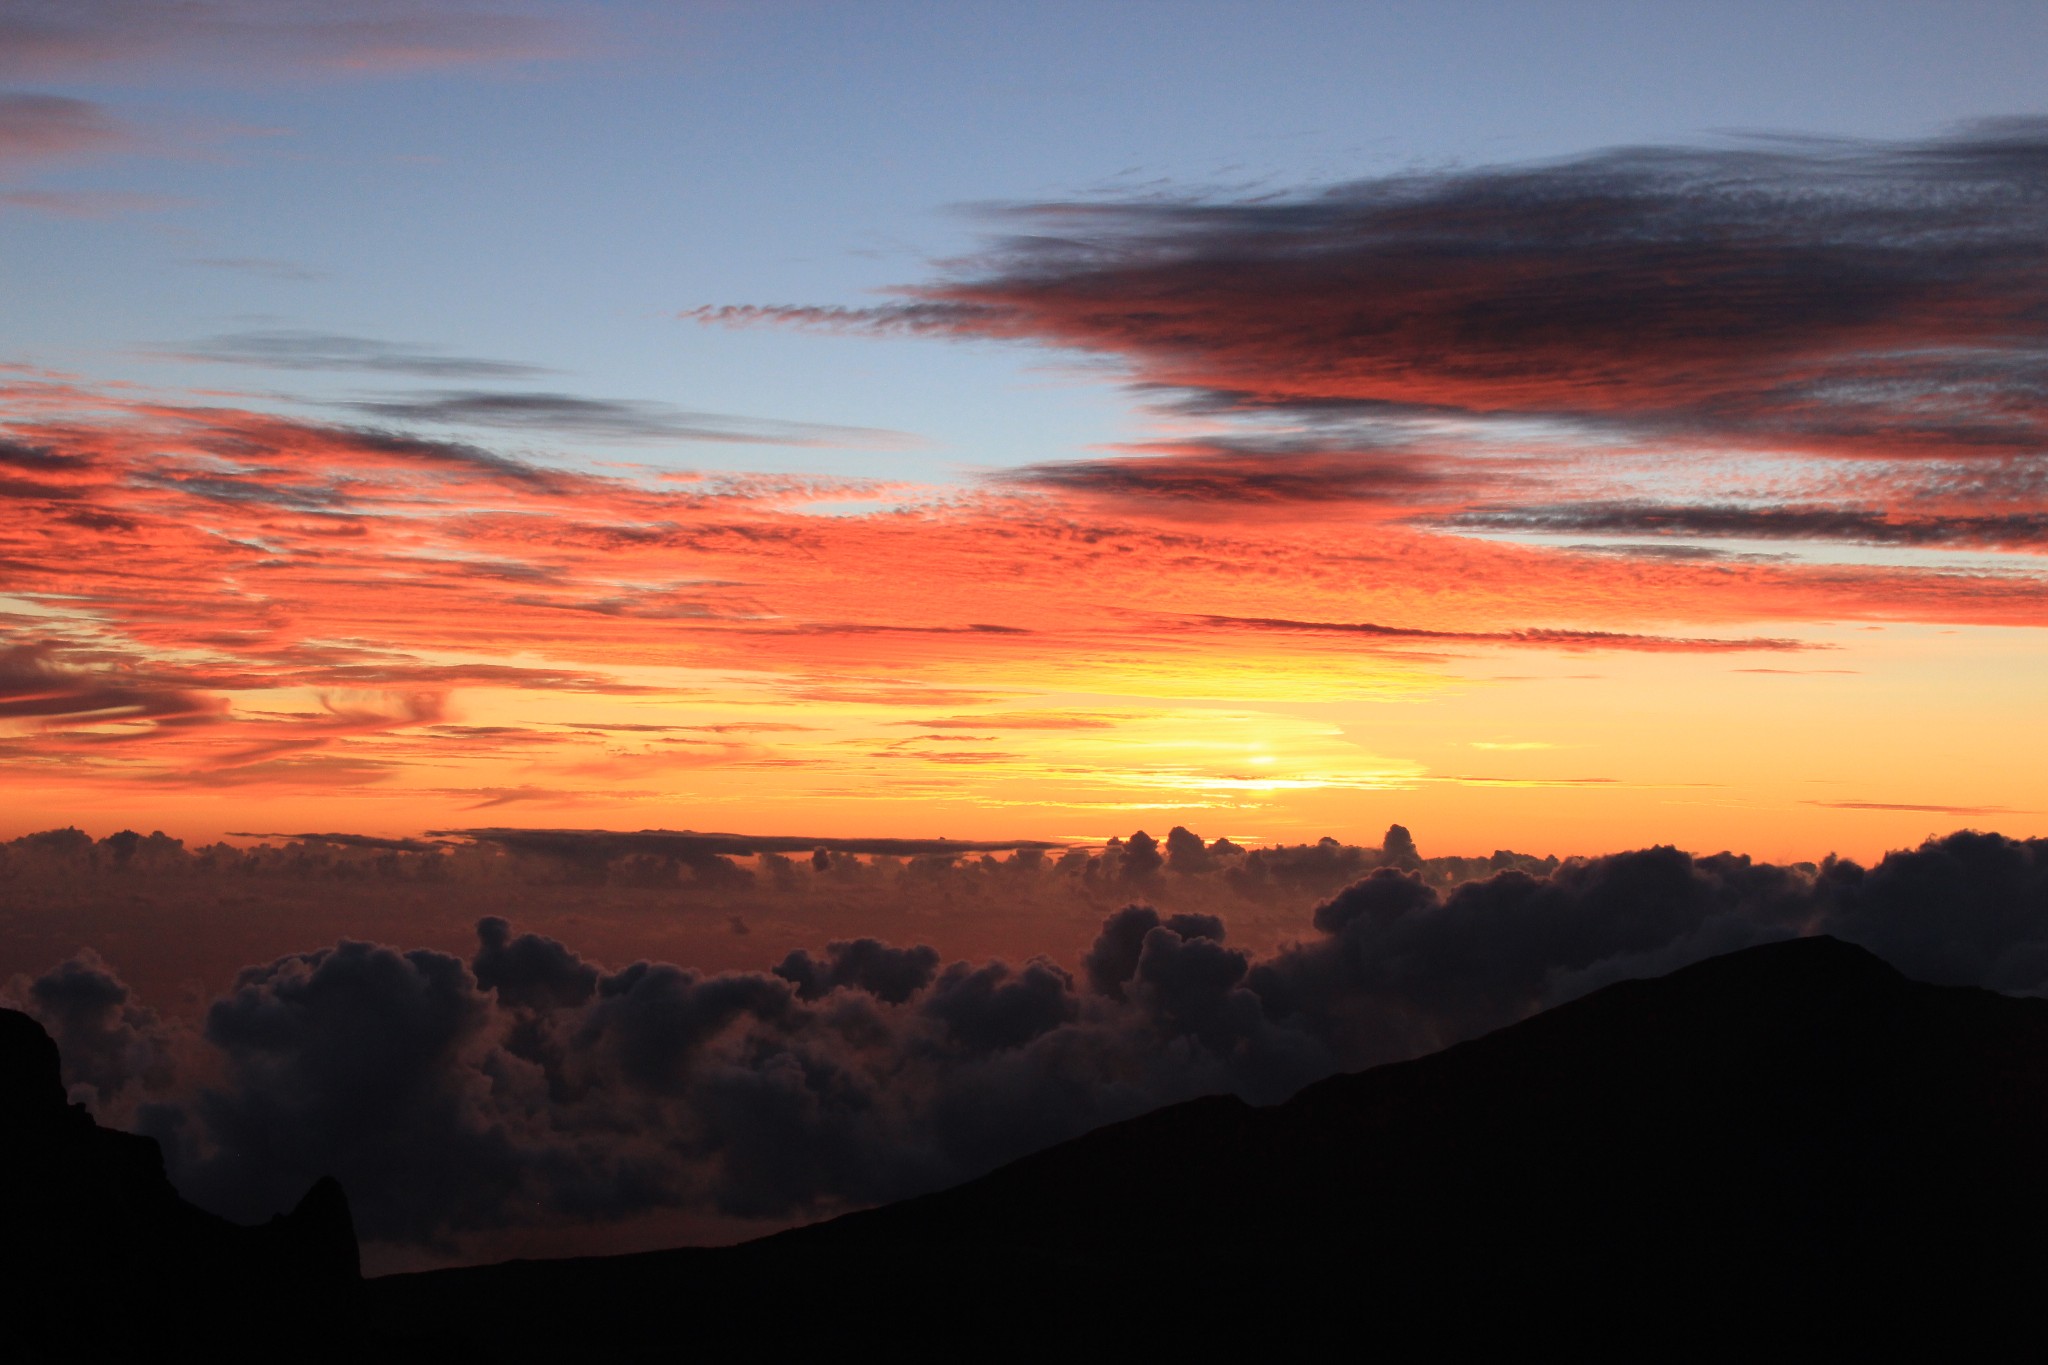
(530, 1085)
(890, 974)
(116, 1049)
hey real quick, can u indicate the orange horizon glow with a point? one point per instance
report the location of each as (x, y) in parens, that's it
(223, 620)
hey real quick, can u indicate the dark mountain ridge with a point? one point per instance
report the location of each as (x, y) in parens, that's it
(99, 1254)
(1790, 1146)
(1787, 1149)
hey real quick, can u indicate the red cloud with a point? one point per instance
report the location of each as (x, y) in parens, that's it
(181, 563)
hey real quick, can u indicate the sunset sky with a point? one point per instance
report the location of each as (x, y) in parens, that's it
(1560, 427)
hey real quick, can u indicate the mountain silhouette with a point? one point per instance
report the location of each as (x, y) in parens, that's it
(1789, 1148)
(100, 1254)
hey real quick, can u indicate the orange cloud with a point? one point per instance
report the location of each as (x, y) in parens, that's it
(218, 600)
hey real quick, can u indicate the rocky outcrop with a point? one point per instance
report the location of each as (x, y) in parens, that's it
(100, 1253)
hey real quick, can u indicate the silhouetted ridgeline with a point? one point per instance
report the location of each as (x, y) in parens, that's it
(100, 1254)
(1786, 1150)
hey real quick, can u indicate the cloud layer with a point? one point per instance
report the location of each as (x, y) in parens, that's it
(529, 1085)
(238, 598)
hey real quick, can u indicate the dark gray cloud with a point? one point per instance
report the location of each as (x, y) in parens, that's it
(370, 841)
(1803, 299)
(1832, 290)
(1113, 959)
(994, 1007)
(111, 1043)
(39, 459)
(611, 419)
(354, 1061)
(1535, 637)
(887, 973)
(1237, 478)
(1864, 526)
(267, 267)
(283, 349)
(587, 843)
(36, 685)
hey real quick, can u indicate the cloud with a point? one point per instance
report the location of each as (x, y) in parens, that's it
(1238, 480)
(576, 844)
(369, 841)
(994, 1007)
(1837, 339)
(2027, 530)
(35, 686)
(279, 349)
(1022, 720)
(1911, 806)
(1112, 961)
(227, 554)
(611, 419)
(1531, 638)
(116, 1050)
(138, 39)
(90, 203)
(266, 267)
(532, 1085)
(889, 974)
(38, 127)
(1873, 295)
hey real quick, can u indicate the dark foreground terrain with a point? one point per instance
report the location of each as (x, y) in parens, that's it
(100, 1258)
(1790, 1149)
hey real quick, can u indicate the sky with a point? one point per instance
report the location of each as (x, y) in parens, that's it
(1558, 427)
(1587, 460)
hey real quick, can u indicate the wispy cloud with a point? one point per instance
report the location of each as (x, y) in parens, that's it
(2017, 530)
(254, 39)
(41, 127)
(1532, 637)
(1917, 808)
(1839, 339)
(613, 419)
(267, 267)
(90, 203)
(282, 349)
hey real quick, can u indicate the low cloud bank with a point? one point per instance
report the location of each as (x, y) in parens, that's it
(529, 1086)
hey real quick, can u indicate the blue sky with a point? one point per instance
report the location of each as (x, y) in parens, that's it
(559, 212)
